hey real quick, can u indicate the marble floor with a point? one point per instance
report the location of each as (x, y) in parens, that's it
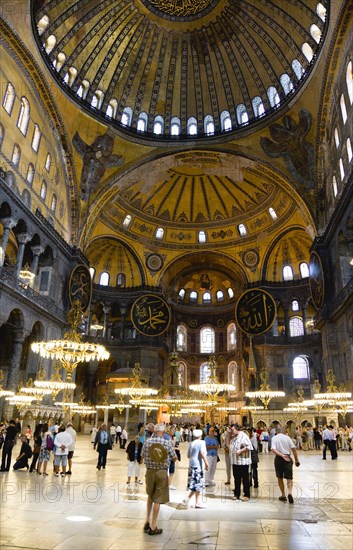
(96, 510)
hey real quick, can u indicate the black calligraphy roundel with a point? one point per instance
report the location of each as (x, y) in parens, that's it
(80, 286)
(316, 280)
(255, 311)
(150, 315)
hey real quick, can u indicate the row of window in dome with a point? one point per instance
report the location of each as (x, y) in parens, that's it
(206, 295)
(158, 124)
(23, 120)
(339, 143)
(104, 278)
(201, 235)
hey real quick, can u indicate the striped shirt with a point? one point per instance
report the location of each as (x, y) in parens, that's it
(238, 442)
(146, 454)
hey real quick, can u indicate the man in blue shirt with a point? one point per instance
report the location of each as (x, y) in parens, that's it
(211, 442)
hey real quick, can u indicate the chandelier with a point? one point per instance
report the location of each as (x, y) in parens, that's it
(20, 400)
(4, 393)
(332, 393)
(71, 350)
(55, 385)
(265, 394)
(136, 391)
(36, 393)
(26, 275)
(212, 386)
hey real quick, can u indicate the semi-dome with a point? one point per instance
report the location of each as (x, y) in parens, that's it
(180, 71)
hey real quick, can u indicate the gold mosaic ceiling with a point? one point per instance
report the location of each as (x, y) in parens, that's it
(179, 59)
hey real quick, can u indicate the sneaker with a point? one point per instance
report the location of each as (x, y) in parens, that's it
(282, 499)
(186, 501)
(56, 475)
(290, 499)
(245, 499)
(62, 474)
(235, 498)
(146, 527)
(68, 473)
(155, 531)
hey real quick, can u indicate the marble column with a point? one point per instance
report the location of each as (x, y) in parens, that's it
(8, 224)
(106, 310)
(304, 319)
(37, 251)
(286, 322)
(14, 370)
(22, 238)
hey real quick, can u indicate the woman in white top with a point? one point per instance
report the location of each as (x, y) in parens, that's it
(196, 454)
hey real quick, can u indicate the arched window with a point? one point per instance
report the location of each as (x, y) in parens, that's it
(121, 280)
(202, 237)
(287, 273)
(208, 125)
(97, 99)
(307, 51)
(295, 305)
(126, 117)
(112, 108)
(2, 135)
(23, 117)
(231, 336)
(142, 121)
(219, 296)
(181, 375)
(26, 197)
(36, 138)
(242, 230)
(182, 335)
(232, 374)
(343, 109)
(207, 340)
(349, 80)
(297, 68)
(242, 114)
(127, 221)
(205, 372)
(258, 106)
(16, 155)
(206, 298)
(181, 293)
(9, 98)
(304, 270)
(104, 279)
(349, 150)
(273, 213)
(175, 126)
(341, 169)
(334, 186)
(193, 296)
(49, 43)
(315, 33)
(192, 126)
(273, 96)
(321, 11)
(54, 201)
(43, 24)
(30, 174)
(158, 125)
(159, 233)
(286, 83)
(337, 138)
(296, 326)
(48, 162)
(43, 190)
(230, 293)
(83, 89)
(226, 121)
(300, 367)
(92, 272)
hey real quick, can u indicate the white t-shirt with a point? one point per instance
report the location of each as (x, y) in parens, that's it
(73, 434)
(282, 443)
(62, 438)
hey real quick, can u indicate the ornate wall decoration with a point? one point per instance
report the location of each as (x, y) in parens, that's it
(80, 286)
(180, 9)
(154, 262)
(150, 315)
(289, 142)
(97, 157)
(250, 258)
(193, 323)
(255, 311)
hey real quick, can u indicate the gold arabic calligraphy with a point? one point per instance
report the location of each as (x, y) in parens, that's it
(150, 315)
(181, 8)
(255, 312)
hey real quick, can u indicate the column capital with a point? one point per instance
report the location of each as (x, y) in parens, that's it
(8, 223)
(37, 250)
(23, 238)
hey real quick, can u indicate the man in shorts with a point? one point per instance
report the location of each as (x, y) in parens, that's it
(282, 446)
(156, 453)
(62, 443)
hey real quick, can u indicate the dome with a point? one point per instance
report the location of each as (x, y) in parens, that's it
(160, 70)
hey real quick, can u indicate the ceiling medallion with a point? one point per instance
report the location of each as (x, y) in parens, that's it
(180, 9)
(251, 258)
(154, 262)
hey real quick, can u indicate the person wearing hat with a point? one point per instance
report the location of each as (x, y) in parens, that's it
(197, 454)
(156, 453)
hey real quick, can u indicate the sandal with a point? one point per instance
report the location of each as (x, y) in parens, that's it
(146, 527)
(155, 531)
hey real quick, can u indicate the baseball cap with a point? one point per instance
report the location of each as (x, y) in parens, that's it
(159, 427)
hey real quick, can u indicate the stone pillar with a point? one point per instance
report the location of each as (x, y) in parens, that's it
(14, 370)
(127, 419)
(106, 416)
(304, 319)
(106, 310)
(122, 328)
(37, 251)
(22, 238)
(286, 322)
(8, 224)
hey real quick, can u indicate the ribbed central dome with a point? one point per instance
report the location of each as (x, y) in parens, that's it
(158, 77)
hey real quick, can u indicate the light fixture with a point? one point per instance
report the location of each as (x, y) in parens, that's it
(265, 394)
(20, 399)
(136, 391)
(26, 275)
(36, 393)
(4, 393)
(71, 350)
(332, 392)
(212, 386)
(55, 385)
(97, 326)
